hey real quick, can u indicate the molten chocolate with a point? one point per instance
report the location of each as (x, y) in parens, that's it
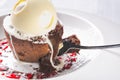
(44, 62)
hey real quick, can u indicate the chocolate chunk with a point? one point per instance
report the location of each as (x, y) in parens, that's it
(45, 64)
(69, 42)
(55, 37)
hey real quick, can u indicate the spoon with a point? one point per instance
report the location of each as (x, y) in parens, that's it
(67, 46)
(96, 47)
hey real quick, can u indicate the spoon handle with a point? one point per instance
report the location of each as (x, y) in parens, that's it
(97, 47)
(67, 46)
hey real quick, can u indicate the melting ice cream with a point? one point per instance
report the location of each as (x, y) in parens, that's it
(34, 17)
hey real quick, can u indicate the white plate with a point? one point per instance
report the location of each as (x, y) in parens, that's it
(84, 29)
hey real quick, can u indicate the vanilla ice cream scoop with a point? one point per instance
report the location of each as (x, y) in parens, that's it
(34, 17)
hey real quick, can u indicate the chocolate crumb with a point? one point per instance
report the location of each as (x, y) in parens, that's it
(21, 53)
(9, 14)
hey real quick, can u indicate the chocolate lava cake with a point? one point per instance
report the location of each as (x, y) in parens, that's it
(31, 52)
(37, 36)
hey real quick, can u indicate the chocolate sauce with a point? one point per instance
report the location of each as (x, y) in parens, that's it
(55, 37)
(44, 62)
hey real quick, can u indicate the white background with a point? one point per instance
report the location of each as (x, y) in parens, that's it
(106, 8)
(109, 9)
